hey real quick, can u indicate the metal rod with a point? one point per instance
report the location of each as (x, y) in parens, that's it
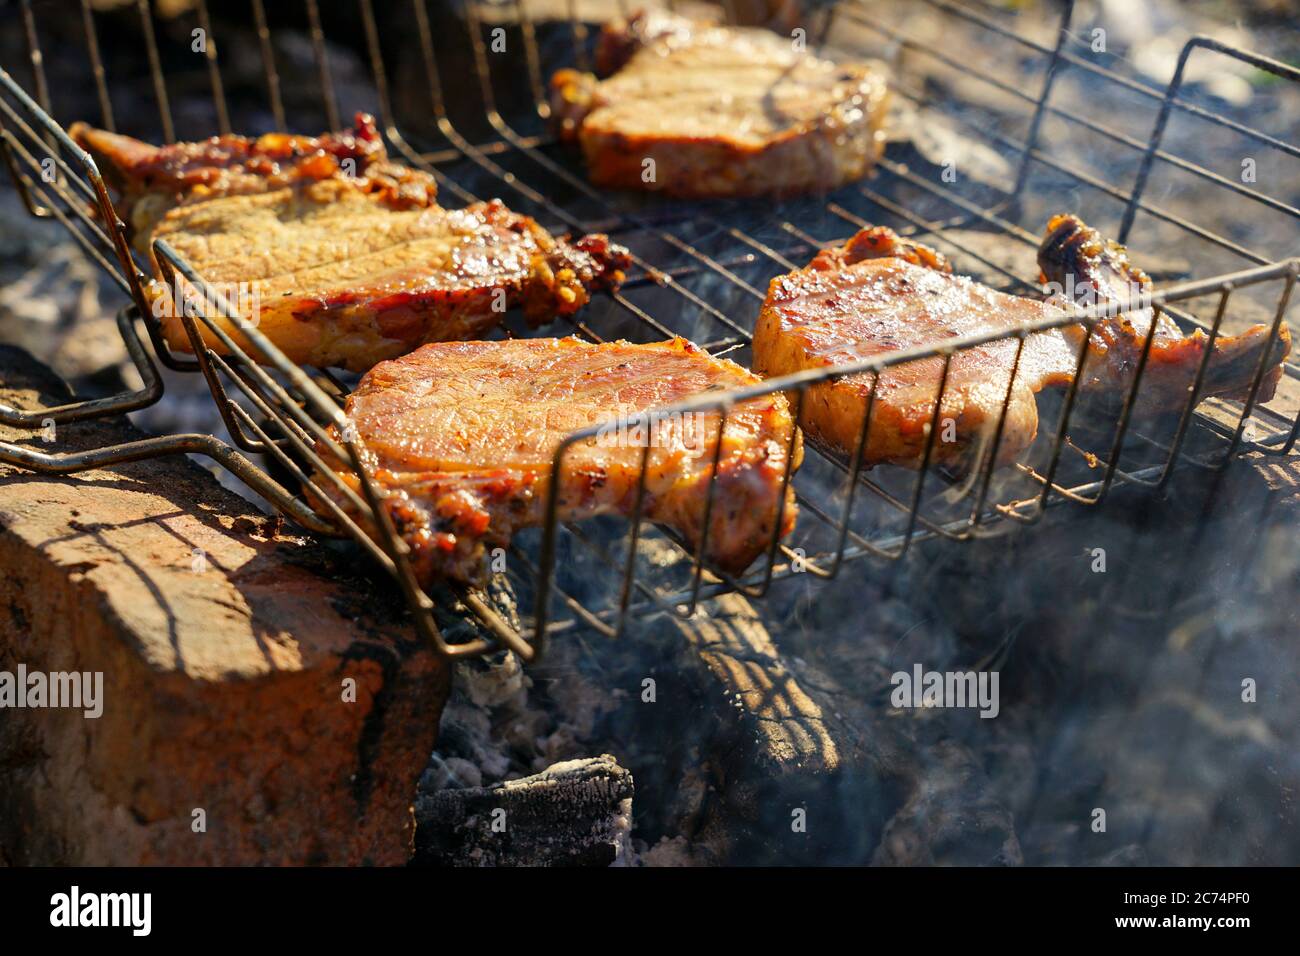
(268, 65)
(214, 70)
(155, 71)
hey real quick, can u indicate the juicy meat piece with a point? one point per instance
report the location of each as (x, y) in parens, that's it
(335, 278)
(151, 180)
(1085, 268)
(344, 255)
(881, 294)
(721, 111)
(460, 439)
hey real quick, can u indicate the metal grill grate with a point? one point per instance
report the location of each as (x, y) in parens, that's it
(701, 269)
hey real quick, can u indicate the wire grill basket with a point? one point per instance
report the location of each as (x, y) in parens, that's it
(700, 271)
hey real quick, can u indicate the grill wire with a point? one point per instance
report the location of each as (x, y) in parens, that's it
(700, 271)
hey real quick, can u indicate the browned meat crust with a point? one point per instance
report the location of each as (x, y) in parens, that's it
(879, 242)
(880, 294)
(1090, 270)
(720, 111)
(460, 437)
(151, 180)
(335, 278)
(340, 256)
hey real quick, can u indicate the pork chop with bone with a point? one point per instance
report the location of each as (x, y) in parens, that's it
(152, 180)
(879, 294)
(460, 440)
(338, 255)
(699, 110)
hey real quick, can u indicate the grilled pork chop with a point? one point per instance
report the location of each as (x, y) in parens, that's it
(880, 294)
(151, 180)
(721, 111)
(336, 278)
(460, 438)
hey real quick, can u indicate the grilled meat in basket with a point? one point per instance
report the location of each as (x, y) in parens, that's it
(1091, 270)
(880, 294)
(697, 110)
(460, 437)
(153, 180)
(338, 255)
(337, 279)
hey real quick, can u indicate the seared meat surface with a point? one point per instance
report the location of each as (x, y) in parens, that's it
(151, 180)
(339, 255)
(881, 294)
(1087, 269)
(721, 111)
(460, 439)
(336, 278)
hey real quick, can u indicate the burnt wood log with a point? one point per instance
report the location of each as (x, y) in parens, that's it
(575, 813)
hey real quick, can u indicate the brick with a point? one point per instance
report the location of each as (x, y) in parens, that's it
(223, 688)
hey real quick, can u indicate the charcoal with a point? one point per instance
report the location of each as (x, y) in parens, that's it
(575, 813)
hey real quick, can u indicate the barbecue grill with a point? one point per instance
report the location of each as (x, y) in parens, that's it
(700, 271)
